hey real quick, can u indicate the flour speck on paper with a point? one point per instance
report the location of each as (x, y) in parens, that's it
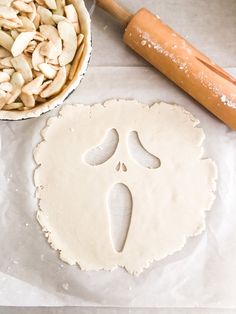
(122, 184)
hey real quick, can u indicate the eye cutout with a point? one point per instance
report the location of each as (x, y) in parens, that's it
(99, 154)
(139, 152)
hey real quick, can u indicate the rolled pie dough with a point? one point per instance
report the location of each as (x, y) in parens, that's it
(169, 201)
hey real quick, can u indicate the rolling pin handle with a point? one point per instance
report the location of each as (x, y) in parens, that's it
(119, 12)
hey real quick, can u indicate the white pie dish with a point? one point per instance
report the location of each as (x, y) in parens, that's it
(85, 24)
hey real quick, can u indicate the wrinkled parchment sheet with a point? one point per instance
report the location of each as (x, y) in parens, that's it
(31, 274)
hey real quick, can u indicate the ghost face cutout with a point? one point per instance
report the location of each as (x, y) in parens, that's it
(119, 196)
(122, 184)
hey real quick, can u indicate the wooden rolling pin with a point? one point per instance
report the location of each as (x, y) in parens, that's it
(172, 55)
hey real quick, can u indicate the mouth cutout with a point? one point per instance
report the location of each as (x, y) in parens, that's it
(119, 210)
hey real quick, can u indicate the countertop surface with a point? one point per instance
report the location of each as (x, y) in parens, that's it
(209, 25)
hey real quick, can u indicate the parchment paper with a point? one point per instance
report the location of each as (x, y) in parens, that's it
(202, 274)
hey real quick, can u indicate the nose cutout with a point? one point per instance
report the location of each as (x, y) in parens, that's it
(121, 167)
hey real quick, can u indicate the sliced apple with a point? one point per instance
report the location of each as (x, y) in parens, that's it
(56, 85)
(37, 58)
(47, 70)
(6, 40)
(33, 87)
(68, 35)
(21, 65)
(21, 42)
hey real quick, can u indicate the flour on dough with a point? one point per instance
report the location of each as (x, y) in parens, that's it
(169, 201)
